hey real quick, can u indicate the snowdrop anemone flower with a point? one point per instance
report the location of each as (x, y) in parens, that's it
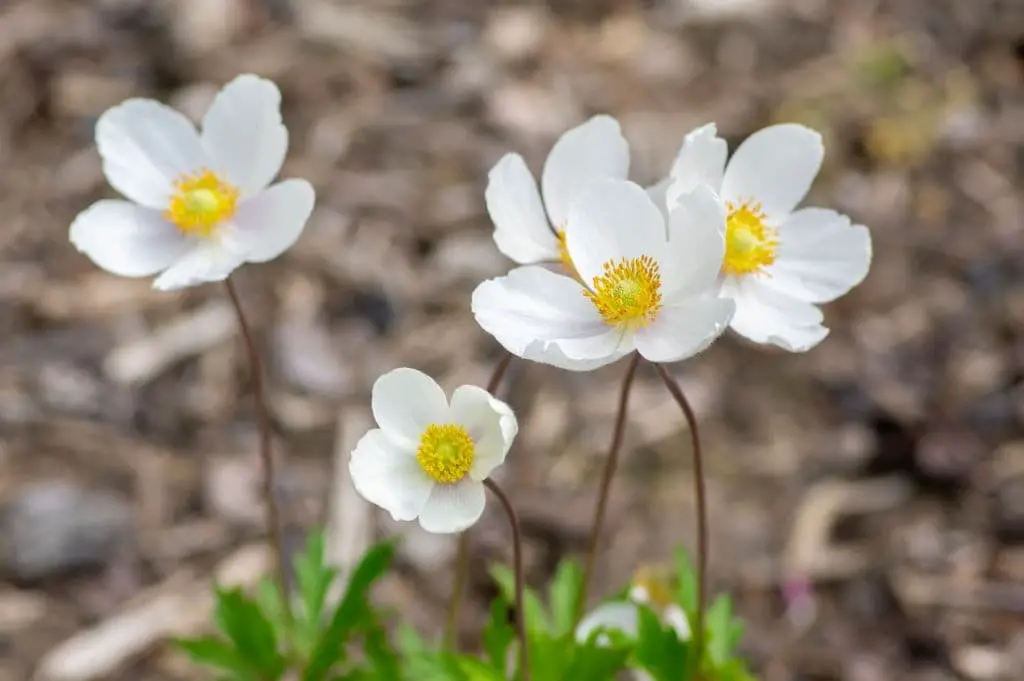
(198, 204)
(429, 458)
(640, 286)
(529, 225)
(780, 262)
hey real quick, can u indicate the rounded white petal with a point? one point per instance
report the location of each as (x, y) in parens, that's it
(696, 244)
(127, 239)
(269, 222)
(145, 146)
(386, 474)
(610, 220)
(675, 617)
(821, 256)
(658, 194)
(490, 423)
(766, 316)
(453, 508)
(205, 262)
(544, 317)
(405, 401)
(775, 166)
(521, 229)
(684, 329)
(594, 150)
(619, 615)
(700, 161)
(243, 135)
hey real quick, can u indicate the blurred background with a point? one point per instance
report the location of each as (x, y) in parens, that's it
(867, 498)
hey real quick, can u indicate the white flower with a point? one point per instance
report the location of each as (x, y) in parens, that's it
(646, 289)
(428, 459)
(779, 262)
(529, 230)
(199, 203)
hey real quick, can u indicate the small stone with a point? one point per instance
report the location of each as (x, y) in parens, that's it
(201, 26)
(54, 527)
(515, 33)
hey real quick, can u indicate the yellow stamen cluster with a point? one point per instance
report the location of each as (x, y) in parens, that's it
(200, 202)
(446, 452)
(658, 585)
(627, 292)
(750, 244)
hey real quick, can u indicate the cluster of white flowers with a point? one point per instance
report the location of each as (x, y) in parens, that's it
(606, 267)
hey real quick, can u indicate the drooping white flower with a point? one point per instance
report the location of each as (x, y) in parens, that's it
(779, 262)
(639, 286)
(199, 204)
(428, 458)
(529, 225)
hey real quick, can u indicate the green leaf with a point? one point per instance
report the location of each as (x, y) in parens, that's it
(688, 584)
(477, 670)
(241, 619)
(218, 654)
(593, 662)
(350, 613)
(659, 649)
(498, 634)
(723, 633)
(313, 578)
(564, 596)
(381, 655)
(536, 617)
(549, 657)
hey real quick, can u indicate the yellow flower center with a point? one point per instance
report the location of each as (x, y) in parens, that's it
(657, 583)
(750, 244)
(627, 292)
(446, 452)
(201, 202)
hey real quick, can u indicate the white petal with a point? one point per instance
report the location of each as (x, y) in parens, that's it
(207, 261)
(453, 508)
(700, 161)
(269, 222)
(619, 615)
(765, 316)
(521, 229)
(594, 150)
(145, 146)
(696, 244)
(821, 256)
(127, 239)
(544, 317)
(405, 402)
(609, 220)
(658, 194)
(243, 134)
(490, 423)
(683, 330)
(676, 618)
(388, 475)
(775, 166)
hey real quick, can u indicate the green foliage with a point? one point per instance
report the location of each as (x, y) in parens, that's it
(320, 638)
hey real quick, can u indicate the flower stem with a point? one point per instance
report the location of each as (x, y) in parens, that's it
(517, 559)
(702, 509)
(451, 626)
(273, 518)
(611, 463)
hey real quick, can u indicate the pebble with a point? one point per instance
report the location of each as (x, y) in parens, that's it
(54, 527)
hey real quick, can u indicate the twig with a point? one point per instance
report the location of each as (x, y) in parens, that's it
(702, 510)
(517, 559)
(273, 518)
(610, 466)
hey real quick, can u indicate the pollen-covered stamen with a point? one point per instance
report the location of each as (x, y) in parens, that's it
(750, 244)
(627, 292)
(200, 202)
(446, 452)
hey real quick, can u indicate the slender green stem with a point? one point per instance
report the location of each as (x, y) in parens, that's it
(451, 626)
(610, 465)
(517, 559)
(702, 509)
(273, 517)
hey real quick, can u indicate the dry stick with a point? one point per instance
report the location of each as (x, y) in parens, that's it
(517, 559)
(702, 508)
(611, 464)
(462, 553)
(273, 518)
